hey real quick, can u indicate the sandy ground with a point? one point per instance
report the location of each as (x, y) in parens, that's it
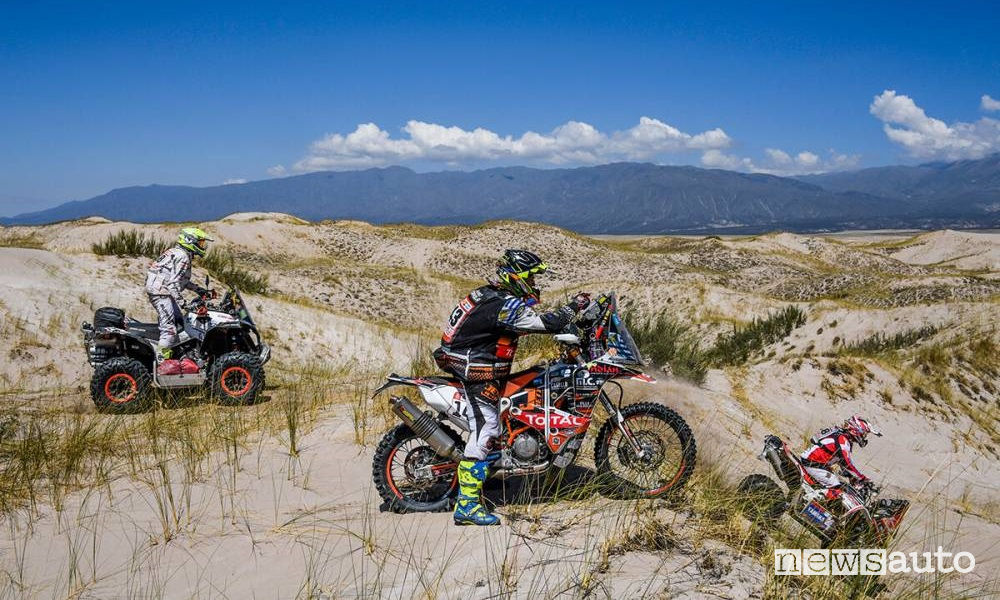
(274, 526)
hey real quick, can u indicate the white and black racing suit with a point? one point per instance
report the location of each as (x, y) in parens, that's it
(478, 347)
(166, 278)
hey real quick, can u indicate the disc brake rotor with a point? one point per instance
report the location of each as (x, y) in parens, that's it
(653, 452)
(416, 460)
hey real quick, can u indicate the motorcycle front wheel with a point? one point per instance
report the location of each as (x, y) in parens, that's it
(410, 476)
(665, 462)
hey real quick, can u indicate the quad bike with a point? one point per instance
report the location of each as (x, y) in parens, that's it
(856, 517)
(642, 450)
(219, 347)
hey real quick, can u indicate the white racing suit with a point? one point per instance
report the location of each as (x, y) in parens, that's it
(478, 347)
(166, 278)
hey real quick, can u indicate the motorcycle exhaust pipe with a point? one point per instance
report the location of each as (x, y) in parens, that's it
(424, 425)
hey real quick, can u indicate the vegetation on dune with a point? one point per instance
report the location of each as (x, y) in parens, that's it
(744, 341)
(9, 239)
(880, 343)
(666, 340)
(219, 262)
(223, 265)
(130, 242)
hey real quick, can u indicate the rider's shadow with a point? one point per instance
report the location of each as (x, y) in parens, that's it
(576, 483)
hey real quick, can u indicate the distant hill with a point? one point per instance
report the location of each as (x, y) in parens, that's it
(965, 187)
(613, 198)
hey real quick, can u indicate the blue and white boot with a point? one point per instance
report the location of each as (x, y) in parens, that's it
(469, 509)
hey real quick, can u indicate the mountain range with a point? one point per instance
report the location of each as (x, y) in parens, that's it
(612, 198)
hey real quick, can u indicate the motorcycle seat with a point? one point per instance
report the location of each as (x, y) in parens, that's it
(150, 331)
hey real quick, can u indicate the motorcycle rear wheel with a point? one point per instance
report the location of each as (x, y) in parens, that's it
(669, 453)
(398, 455)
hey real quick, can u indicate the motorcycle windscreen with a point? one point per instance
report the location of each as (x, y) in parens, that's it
(619, 346)
(241, 308)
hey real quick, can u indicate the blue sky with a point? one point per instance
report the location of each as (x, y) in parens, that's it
(102, 95)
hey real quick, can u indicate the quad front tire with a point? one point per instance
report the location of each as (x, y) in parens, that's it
(236, 378)
(121, 385)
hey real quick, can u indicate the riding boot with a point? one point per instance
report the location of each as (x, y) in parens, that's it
(469, 509)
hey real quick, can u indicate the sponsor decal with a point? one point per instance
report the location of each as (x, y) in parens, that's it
(557, 419)
(603, 369)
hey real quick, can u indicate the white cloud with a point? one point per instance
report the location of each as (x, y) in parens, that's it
(922, 136)
(277, 171)
(716, 159)
(779, 162)
(574, 142)
(234, 180)
(989, 104)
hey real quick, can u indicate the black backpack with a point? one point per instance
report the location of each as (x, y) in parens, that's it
(109, 316)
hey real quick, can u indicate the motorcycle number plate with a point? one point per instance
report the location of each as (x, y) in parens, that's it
(818, 515)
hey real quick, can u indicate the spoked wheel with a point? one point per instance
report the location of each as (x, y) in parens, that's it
(662, 463)
(410, 476)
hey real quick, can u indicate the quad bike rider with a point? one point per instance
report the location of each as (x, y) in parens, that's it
(194, 344)
(832, 447)
(167, 277)
(478, 347)
(833, 509)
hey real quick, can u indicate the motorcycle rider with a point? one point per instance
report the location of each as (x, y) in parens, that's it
(478, 347)
(166, 278)
(833, 446)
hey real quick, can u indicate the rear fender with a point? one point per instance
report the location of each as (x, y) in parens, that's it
(394, 380)
(130, 345)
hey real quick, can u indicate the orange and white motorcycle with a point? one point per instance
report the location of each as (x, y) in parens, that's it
(642, 450)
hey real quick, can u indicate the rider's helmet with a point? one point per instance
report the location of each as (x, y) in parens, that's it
(516, 271)
(194, 240)
(857, 428)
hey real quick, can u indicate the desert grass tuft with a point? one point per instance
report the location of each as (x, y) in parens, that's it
(222, 264)
(9, 239)
(748, 340)
(880, 343)
(667, 341)
(130, 242)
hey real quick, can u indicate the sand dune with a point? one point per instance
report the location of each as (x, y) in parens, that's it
(353, 301)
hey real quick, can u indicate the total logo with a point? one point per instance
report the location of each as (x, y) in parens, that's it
(559, 420)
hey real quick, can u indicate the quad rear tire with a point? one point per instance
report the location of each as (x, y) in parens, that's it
(399, 456)
(121, 385)
(236, 378)
(669, 448)
(761, 500)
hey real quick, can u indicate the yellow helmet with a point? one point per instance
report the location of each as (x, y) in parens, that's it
(194, 239)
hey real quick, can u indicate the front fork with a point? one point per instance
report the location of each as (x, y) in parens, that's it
(619, 420)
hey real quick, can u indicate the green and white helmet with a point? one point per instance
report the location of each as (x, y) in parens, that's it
(194, 240)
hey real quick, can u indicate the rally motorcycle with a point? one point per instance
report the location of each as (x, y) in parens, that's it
(642, 450)
(856, 517)
(219, 348)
